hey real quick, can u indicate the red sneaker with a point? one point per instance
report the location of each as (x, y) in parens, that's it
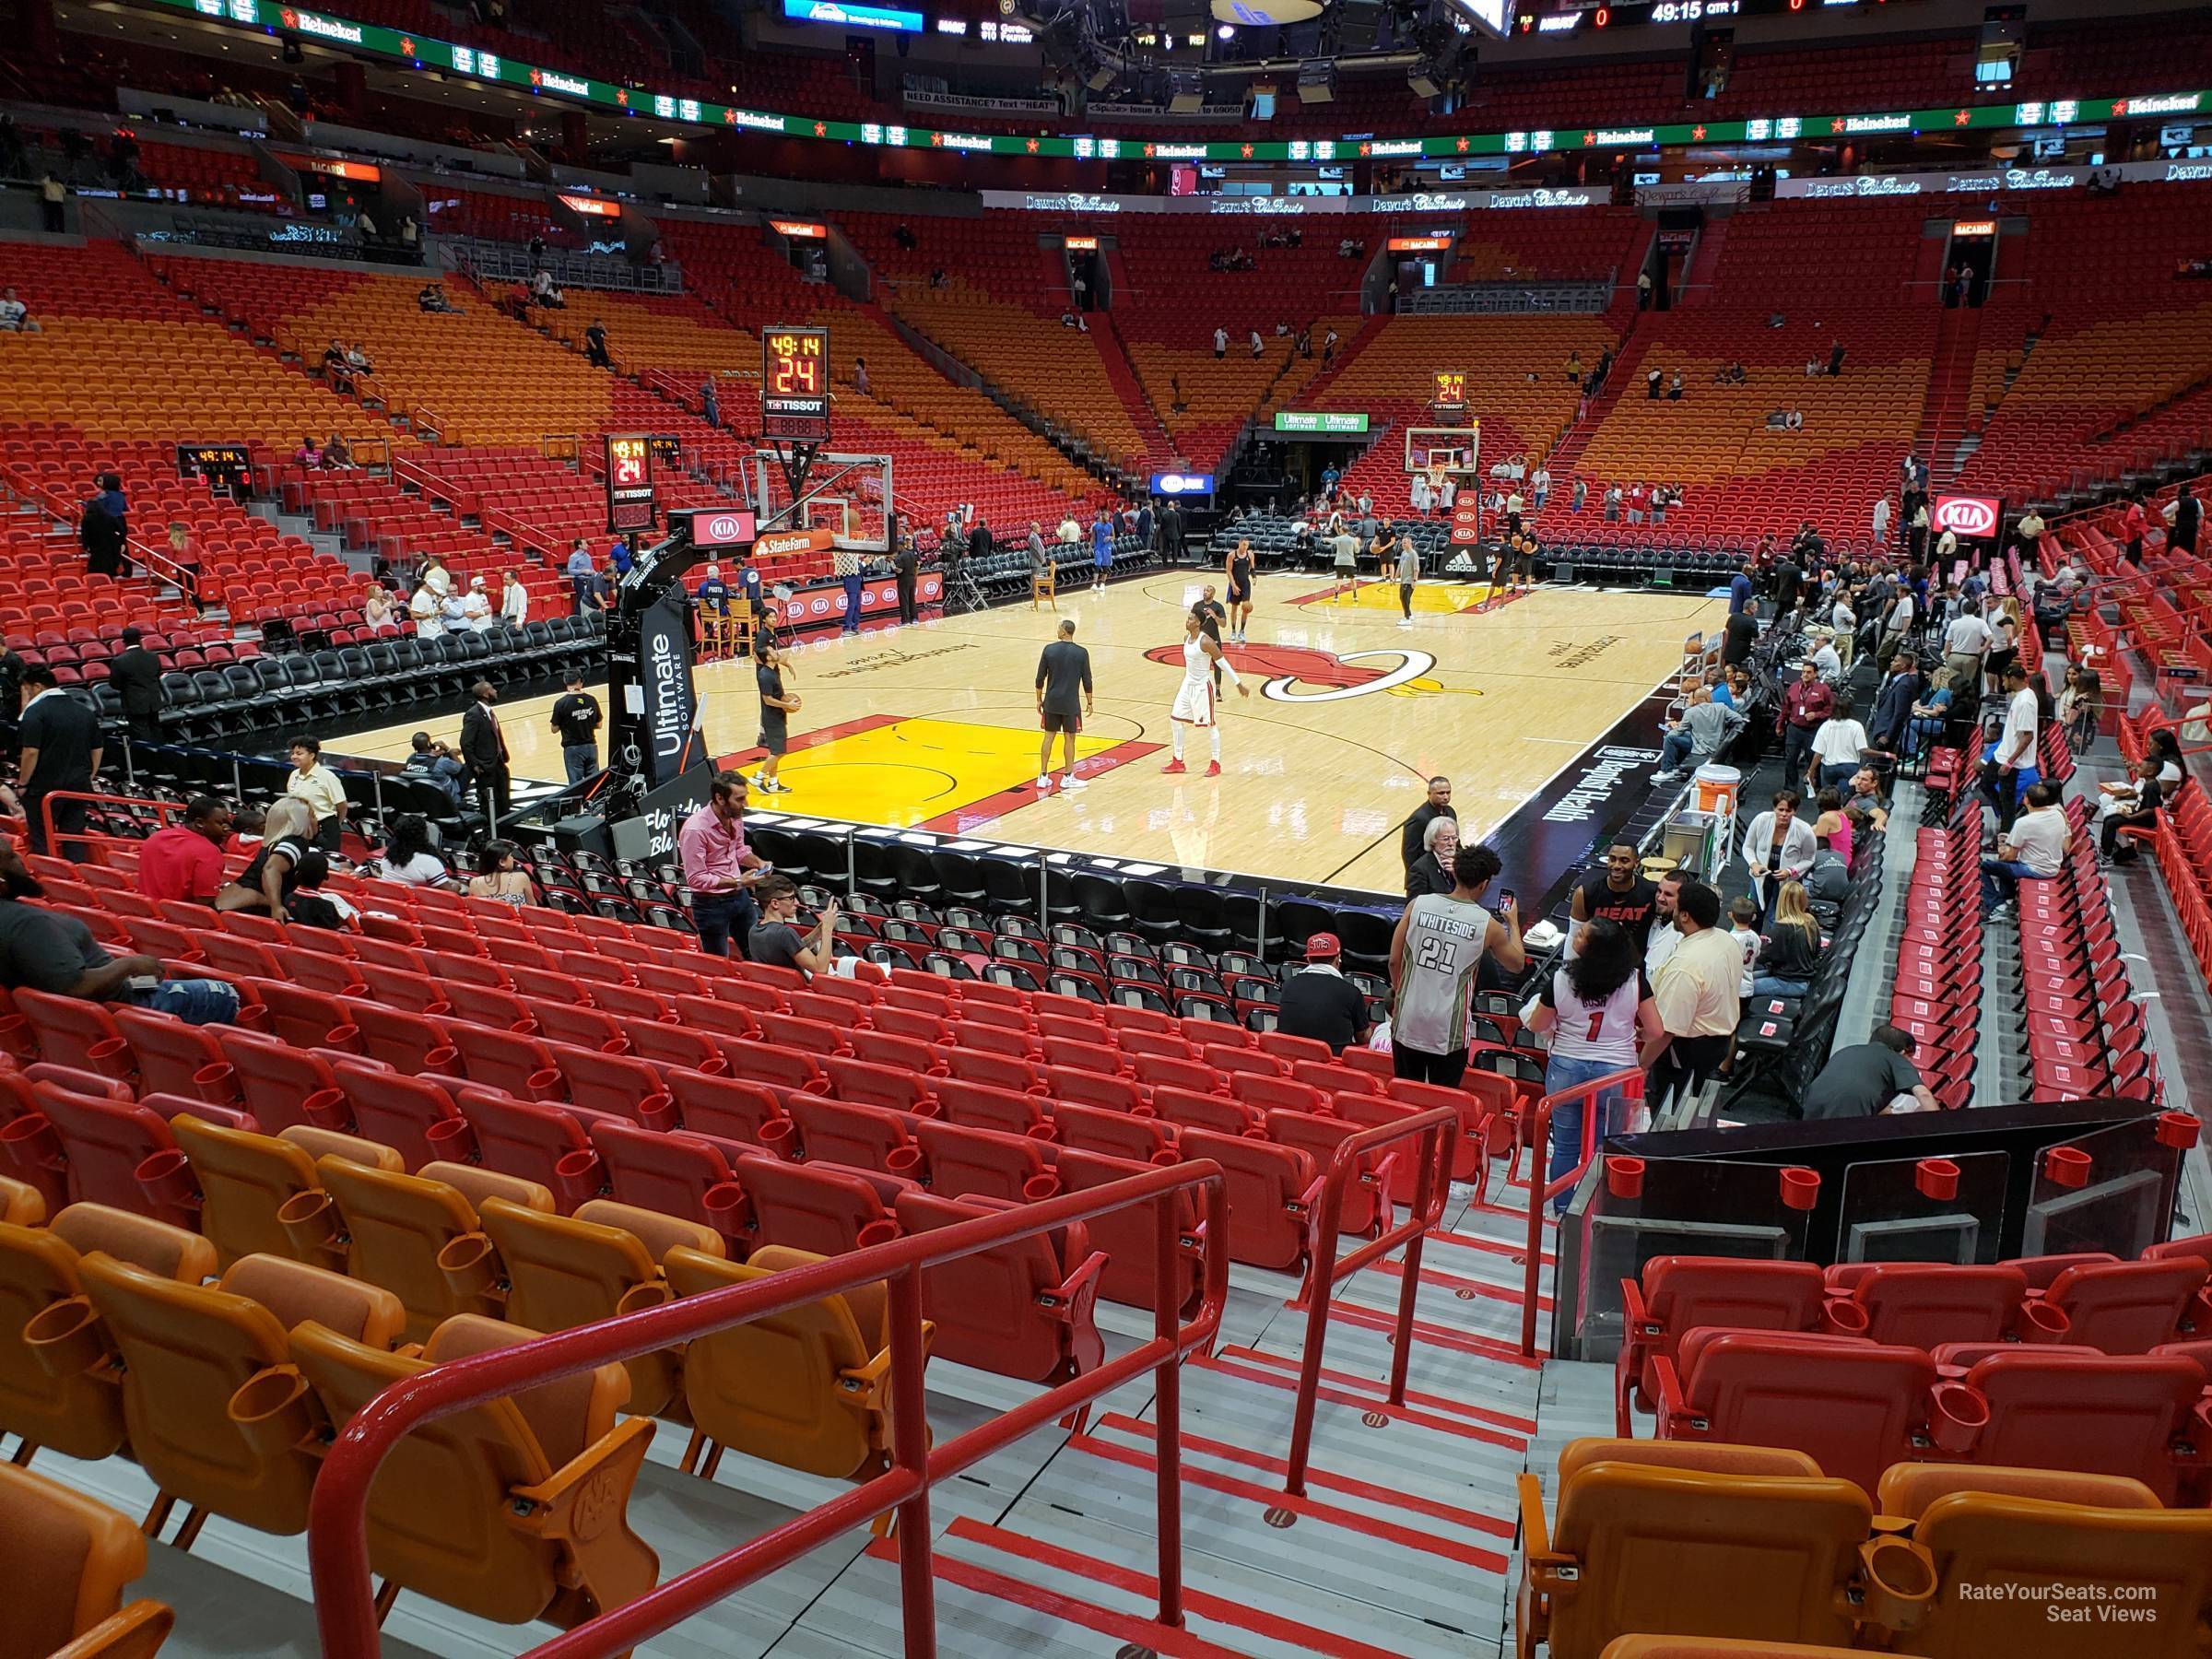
(1213, 769)
(1173, 766)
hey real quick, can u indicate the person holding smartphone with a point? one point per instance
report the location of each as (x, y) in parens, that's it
(1436, 956)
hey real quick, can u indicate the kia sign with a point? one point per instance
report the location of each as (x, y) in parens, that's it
(720, 527)
(1968, 515)
(1183, 484)
(1466, 520)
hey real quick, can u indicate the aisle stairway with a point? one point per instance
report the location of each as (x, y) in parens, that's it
(1945, 416)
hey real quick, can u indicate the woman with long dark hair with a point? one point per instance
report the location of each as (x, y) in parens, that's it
(1204, 664)
(407, 855)
(1597, 1009)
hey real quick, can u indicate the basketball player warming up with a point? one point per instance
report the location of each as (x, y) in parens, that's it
(1203, 662)
(1237, 571)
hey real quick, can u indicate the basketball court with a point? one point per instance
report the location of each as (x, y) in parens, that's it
(935, 726)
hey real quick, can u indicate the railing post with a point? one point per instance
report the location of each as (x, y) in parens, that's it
(910, 1452)
(1168, 1411)
(1409, 1279)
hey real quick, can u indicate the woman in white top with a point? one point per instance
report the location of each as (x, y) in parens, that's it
(1597, 1009)
(1422, 499)
(377, 611)
(1779, 843)
(1838, 744)
(1204, 664)
(408, 857)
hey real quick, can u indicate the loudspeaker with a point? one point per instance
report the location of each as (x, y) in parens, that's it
(1101, 75)
(1186, 93)
(1317, 82)
(1421, 79)
(1358, 25)
(586, 832)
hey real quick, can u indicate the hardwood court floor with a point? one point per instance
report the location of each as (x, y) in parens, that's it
(1349, 716)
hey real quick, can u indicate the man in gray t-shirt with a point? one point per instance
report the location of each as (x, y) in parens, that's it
(1434, 958)
(1409, 572)
(1063, 699)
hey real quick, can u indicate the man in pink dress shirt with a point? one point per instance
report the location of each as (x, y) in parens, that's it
(720, 869)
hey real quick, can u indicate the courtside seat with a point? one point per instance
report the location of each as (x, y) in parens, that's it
(823, 1208)
(681, 1173)
(175, 1058)
(1269, 1189)
(21, 1205)
(69, 1559)
(394, 1228)
(737, 1108)
(1854, 1407)
(514, 1510)
(2162, 1559)
(106, 1143)
(1917, 1304)
(862, 1137)
(537, 1142)
(70, 1031)
(1732, 1541)
(564, 1271)
(2127, 1306)
(414, 1115)
(245, 1180)
(1022, 1308)
(281, 1084)
(2100, 1414)
(1679, 1294)
(984, 1163)
(808, 1388)
(215, 1415)
(57, 1380)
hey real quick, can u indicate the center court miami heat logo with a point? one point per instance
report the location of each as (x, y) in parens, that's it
(1291, 672)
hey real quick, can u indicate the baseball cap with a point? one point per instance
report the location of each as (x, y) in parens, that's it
(1324, 947)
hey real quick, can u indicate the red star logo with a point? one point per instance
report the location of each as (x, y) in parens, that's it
(1367, 149)
(1836, 126)
(1463, 147)
(938, 140)
(1962, 118)
(1697, 132)
(1589, 138)
(1150, 151)
(1247, 150)
(537, 76)
(1030, 146)
(821, 129)
(407, 47)
(729, 118)
(2118, 106)
(622, 95)
(291, 18)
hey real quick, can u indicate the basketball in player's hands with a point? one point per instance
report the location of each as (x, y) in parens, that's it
(791, 703)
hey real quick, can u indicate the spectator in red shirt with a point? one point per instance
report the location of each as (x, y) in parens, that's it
(185, 861)
(2132, 524)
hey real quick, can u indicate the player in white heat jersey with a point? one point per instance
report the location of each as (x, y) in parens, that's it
(1204, 664)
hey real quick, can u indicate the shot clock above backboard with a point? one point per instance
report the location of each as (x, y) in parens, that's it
(794, 384)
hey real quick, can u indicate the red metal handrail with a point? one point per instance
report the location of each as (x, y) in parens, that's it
(1438, 1129)
(1629, 1083)
(162, 811)
(337, 1541)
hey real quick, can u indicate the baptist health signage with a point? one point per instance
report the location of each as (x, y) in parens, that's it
(1319, 423)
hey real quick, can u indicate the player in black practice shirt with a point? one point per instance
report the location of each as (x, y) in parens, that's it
(775, 705)
(1063, 699)
(1319, 1002)
(1617, 893)
(576, 719)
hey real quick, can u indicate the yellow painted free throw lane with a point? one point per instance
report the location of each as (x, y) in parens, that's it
(1448, 597)
(914, 770)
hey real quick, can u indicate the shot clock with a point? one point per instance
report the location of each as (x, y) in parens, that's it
(794, 384)
(628, 481)
(1450, 399)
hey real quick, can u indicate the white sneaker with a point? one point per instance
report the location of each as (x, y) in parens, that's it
(1044, 784)
(1404, 621)
(1071, 781)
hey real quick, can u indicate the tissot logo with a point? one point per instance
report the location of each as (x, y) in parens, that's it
(1967, 515)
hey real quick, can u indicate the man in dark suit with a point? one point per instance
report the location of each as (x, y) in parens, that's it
(135, 673)
(105, 527)
(484, 747)
(61, 753)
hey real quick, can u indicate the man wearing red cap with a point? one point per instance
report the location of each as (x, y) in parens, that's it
(1319, 1002)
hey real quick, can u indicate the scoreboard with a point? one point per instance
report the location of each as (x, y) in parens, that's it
(794, 384)
(628, 481)
(1450, 400)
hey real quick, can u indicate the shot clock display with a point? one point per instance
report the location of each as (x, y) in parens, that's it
(794, 384)
(1450, 391)
(628, 481)
(228, 465)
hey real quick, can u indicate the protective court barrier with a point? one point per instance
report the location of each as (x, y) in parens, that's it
(337, 1540)
(1630, 1085)
(1438, 1132)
